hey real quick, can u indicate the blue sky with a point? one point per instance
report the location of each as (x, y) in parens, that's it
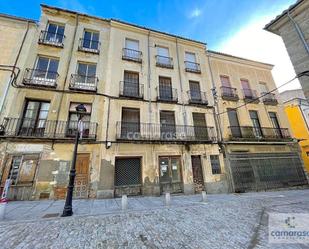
(225, 25)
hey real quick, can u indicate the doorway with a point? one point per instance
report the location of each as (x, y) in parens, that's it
(170, 174)
(197, 171)
(82, 176)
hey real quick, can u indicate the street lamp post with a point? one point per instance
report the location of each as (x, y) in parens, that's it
(67, 210)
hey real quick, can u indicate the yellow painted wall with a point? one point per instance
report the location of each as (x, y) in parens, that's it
(299, 130)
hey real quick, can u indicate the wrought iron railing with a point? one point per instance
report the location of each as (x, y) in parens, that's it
(131, 89)
(259, 133)
(166, 93)
(131, 55)
(163, 61)
(88, 45)
(197, 97)
(48, 129)
(269, 98)
(51, 38)
(37, 77)
(249, 94)
(229, 92)
(163, 132)
(83, 82)
(192, 67)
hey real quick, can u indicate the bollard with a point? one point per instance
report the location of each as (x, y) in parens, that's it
(124, 202)
(204, 197)
(167, 199)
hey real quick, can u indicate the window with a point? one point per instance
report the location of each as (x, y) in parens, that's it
(170, 169)
(190, 57)
(226, 88)
(307, 153)
(256, 123)
(86, 73)
(190, 62)
(13, 174)
(73, 120)
(225, 81)
(195, 91)
(167, 124)
(55, 33)
(162, 51)
(215, 164)
(234, 123)
(131, 51)
(246, 88)
(132, 44)
(263, 88)
(275, 123)
(165, 88)
(130, 123)
(200, 127)
(34, 118)
(46, 69)
(91, 40)
(131, 84)
(163, 58)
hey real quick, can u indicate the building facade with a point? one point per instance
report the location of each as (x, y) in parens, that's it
(292, 25)
(297, 110)
(151, 124)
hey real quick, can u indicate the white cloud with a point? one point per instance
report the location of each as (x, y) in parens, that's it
(195, 13)
(253, 42)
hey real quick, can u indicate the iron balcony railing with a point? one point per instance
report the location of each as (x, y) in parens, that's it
(37, 77)
(192, 67)
(250, 95)
(229, 93)
(163, 61)
(51, 38)
(269, 99)
(83, 82)
(166, 94)
(131, 55)
(131, 89)
(48, 129)
(259, 133)
(197, 97)
(87, 45)
(131, 131)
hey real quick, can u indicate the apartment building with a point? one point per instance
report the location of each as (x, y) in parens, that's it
(293, 27)
(150, 126)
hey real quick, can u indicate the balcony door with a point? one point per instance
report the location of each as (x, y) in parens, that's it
(130, 123)
(132, 49)
(34, 118)
(165, 88)
(191, 61)
(256, 124)
(91, 40)
(55, 33)
(226, 86)
(72, 125)
(131, 84)
(195, 91)
(45, 71)
(200, 127)
(275, 123)
(86, 75)
(234, 123)
(246, 88)
(167, 125)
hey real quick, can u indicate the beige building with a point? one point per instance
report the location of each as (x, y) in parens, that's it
(151, 124)
(293, 26)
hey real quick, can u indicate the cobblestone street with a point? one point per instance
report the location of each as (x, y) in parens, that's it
(224, 221)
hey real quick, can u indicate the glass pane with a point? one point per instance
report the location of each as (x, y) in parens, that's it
(162, 51)
(175, 164)
(52, 28)
(82, 69)
(42, 64)
(60, 30)
(52, 70)
(91, 70)
(131, 44)
(87, 35)
(190, 57)
(95, 37)
(164, 170)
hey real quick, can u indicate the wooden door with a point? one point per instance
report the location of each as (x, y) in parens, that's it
(197, 173)
(82, 176)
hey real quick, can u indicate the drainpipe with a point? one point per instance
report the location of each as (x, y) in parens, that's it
(149, 78)
(216, 106)
(6, 89)
(65, 79)
(299, 32)
(181, 88)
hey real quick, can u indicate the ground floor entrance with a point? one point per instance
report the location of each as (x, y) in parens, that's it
(82, 176)
(197, 171)
(170, 174)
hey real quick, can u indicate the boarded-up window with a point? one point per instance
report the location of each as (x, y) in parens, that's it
(215, 164)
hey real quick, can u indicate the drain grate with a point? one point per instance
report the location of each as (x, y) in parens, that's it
(51, 215)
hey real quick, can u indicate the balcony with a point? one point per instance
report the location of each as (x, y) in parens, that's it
(269, 99)
(127, 131)
(132, 55)
(50, 38)
(192, 67)
(36, 77)
(250, 96)
(229, 93)
(165, 62)
(131, 90)
(45, 129)
(197, 98)
(251, 133)
(167, 94)
(83, 83)
(90, 46)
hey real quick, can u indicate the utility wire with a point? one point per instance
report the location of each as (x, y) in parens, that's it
(305, 73)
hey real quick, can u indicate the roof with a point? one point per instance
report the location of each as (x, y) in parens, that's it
(120, 21)
(18, 18)
(278, 17)
(236, 57)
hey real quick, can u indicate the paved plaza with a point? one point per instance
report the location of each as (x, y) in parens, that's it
(224, 221)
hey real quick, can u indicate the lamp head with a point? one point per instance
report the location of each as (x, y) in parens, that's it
(80, 109)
